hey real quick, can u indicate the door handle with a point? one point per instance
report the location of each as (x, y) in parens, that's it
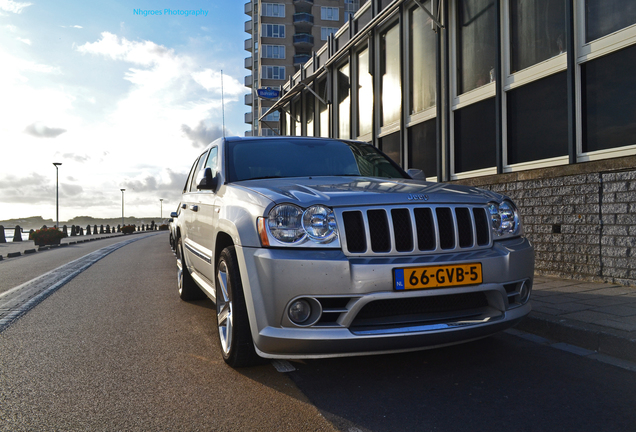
(184, 206)
(194, 207)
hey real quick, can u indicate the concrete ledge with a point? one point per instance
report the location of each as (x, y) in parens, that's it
(614, 343)
(14, 254)
(29, 251)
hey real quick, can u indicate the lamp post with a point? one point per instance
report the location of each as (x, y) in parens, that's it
(122, 207)
(161, 199)
(57, 195)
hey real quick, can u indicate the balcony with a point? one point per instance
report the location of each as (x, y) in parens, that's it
(249, 118)
(249, 81)
(303, 22)
(249, 26)
(303, 5)
(300, 59)
(248, 8)
(303, 40)
(249, 45)
(249, 99)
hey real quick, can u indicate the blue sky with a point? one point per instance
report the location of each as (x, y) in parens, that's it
(122, 100)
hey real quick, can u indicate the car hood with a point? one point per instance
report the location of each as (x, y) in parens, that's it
(354, 191)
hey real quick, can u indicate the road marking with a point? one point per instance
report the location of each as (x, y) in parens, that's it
(20, 299)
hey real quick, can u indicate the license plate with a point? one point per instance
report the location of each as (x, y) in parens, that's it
(437, 276)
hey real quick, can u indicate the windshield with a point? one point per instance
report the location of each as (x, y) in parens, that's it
(256, 159)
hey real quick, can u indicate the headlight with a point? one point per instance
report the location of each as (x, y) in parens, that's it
(504, 219)
(319, 223)
(285, 223)
(294, 226)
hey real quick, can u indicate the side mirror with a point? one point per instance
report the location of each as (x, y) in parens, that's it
(174, 215)
(208, 182)
(416, 174)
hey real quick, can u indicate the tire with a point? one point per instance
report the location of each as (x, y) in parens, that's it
(233, 324)
(188, 289)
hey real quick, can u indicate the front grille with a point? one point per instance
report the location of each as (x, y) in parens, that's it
(399, 230)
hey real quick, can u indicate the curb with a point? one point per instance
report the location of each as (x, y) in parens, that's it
(615, 343)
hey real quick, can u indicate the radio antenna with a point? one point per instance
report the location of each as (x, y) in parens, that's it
(222, 103)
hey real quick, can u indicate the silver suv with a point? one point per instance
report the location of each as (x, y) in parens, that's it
(314, 247)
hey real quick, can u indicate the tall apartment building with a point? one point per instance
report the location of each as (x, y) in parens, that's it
(283, 34)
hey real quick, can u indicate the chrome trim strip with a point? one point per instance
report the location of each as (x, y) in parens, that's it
(204, 257)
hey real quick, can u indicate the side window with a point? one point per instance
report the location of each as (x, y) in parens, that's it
(196, 177)
(186, 187)
(213, 160)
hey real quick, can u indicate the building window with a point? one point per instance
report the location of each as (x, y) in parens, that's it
(537, 32)
(476, 44)
(538, 120)
(329, 13)
(326, 31)
(475, 136)
(390, 72)
(271, 117)
(323, 110)
(608, 99)
(273, 51)
(422, 72)
(364, 94)
(603, 17)
(273, 10)
(273, 30)
(390, 146)
(269, 132)
(422, 148)
(309, 112)
(273, 72)
(296, 117)
(350, 8)
(344, 102)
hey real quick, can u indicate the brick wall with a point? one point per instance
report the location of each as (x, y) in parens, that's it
(580, 218)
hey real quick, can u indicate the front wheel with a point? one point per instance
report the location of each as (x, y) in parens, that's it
(237, 345)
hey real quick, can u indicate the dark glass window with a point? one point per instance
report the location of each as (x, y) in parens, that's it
(476, 44)
(344, 102)
(608, 93)
(198, 173)
(390, 70)
(421, 60)
(422, 147)
(537, 31)
(603, 17)
(475, 146)
(538, 120)
(390, 146)
(323, 110)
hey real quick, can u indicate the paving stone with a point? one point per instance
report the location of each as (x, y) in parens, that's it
(618, 310)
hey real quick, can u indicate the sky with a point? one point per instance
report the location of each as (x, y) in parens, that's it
(125, 94)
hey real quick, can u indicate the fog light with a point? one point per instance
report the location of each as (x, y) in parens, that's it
(524, 292)
(299, 311)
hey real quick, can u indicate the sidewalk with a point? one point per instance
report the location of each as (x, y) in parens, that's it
(599, 317)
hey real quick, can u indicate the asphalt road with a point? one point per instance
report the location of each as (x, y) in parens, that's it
(115, 349)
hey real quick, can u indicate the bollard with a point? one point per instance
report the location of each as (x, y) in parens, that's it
(73, 234)
(17, 234)
(88, 230)
(118, 228)
(107, 229)
(65, 231)
(95, 229)
(2, 237)
(81, 231)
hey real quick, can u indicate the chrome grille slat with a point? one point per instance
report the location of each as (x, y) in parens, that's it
(427, 229)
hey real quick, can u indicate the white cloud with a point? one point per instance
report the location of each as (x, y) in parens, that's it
(26, 41)
(13, 6)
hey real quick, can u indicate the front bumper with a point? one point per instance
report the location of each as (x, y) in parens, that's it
(342, 286)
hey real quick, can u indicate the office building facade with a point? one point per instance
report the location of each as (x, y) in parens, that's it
(283, 35)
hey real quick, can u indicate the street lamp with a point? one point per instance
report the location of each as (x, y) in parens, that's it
(57, 195)
(122, 207)
(161, 199)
